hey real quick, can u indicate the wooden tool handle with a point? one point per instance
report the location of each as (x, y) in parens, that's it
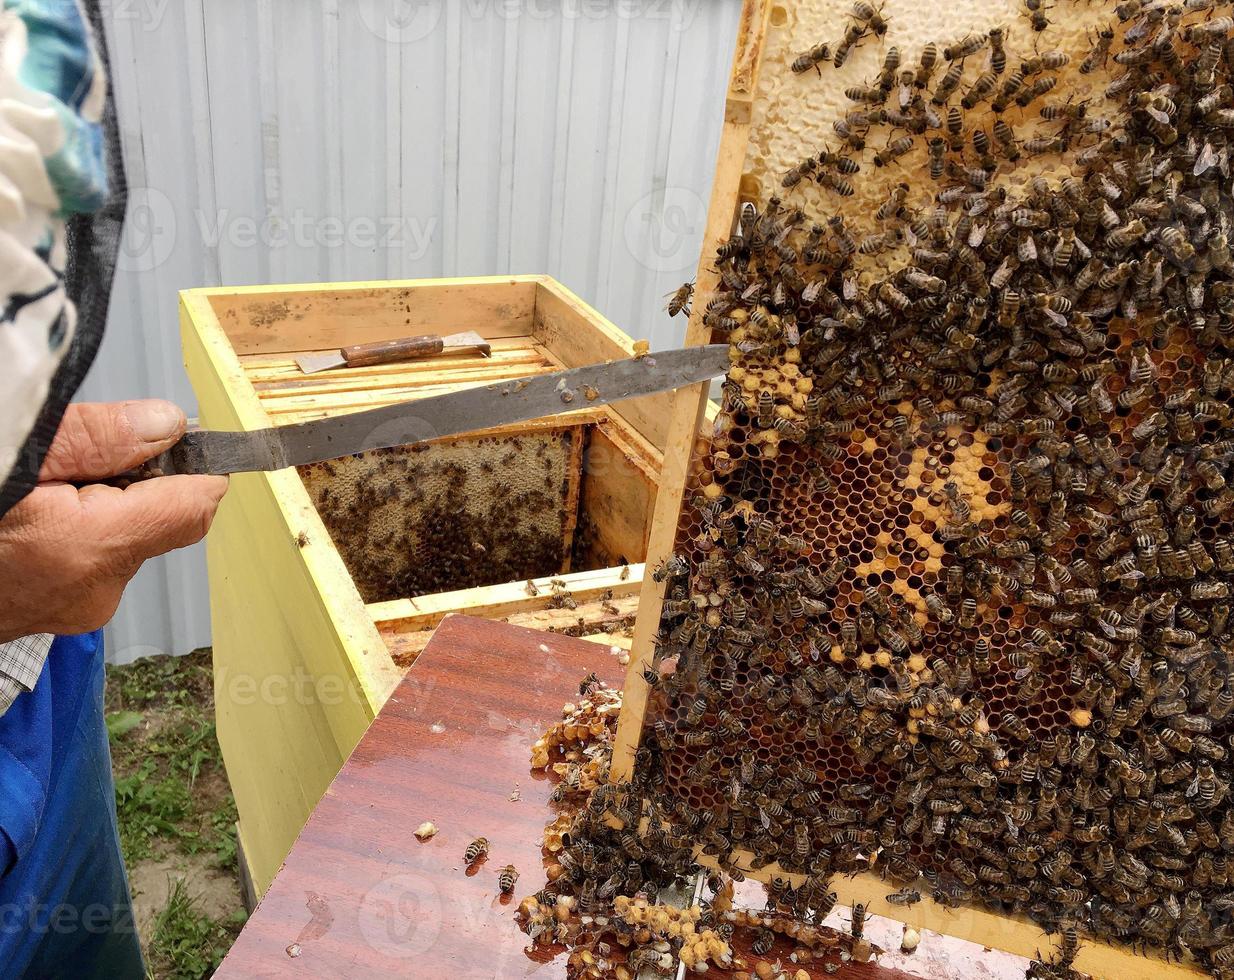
(385, 351)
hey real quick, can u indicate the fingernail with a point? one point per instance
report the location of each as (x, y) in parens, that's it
(154, 421)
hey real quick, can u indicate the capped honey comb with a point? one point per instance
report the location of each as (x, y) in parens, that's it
(951, 589)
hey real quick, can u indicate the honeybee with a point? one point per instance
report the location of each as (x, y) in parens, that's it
(812, 58)
(477, 849)
(857, 924)
(866, 14)
(979, 90)
(965, 47)
(852, 36)
(937, 147)
(892, 151)
(949, 83)
(998, 54)
(679, 299)
(925, 67)
(506, 879)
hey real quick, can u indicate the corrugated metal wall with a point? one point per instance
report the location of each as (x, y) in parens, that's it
(303, 140)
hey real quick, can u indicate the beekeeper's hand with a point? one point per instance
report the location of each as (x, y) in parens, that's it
(66, 553)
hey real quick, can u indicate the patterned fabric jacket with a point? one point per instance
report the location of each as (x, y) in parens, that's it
(52, 93)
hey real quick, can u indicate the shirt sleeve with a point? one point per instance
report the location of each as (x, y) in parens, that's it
(21, 663)
(52, 93)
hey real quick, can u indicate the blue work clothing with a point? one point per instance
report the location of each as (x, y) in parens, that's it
(65, 909)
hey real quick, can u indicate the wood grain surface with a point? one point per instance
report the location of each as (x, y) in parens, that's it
(360, 896)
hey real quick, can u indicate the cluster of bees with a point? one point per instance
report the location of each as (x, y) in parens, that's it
(632, 936)
(419, 520)
(951, 595)
(594, 902)
(600, 899)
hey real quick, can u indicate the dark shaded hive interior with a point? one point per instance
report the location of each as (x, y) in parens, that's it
(477, 511)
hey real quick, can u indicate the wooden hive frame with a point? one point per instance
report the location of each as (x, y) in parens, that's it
(302, 662)
(1013, 934)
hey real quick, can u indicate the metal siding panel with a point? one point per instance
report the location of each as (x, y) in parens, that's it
(445, 138)
(602, 284)
(583, 187)
(539, 46)
(367, 72)
(424, 148)
(509, 120)
(295, 95)
(232, 64)
(635, 234)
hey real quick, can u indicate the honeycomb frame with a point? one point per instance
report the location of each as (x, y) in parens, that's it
(884, 568)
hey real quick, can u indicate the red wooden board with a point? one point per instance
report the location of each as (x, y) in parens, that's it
(360, 896)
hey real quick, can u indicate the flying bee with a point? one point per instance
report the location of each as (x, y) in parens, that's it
(679, 299)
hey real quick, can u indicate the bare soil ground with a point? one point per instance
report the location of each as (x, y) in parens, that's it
(177, 816)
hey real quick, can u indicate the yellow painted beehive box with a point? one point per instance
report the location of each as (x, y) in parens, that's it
(326, 581)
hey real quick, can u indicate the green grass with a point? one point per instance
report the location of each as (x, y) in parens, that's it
(185, 941)
(172, 798)
(160, 716)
